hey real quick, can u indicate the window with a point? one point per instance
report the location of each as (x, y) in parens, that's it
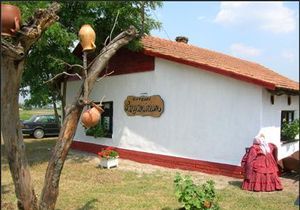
(41, 119)
(107, 117)
(286, 117)
(105, 126)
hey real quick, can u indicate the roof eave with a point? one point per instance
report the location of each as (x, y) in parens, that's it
(284, 91)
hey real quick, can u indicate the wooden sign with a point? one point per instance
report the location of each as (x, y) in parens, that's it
(144, 106)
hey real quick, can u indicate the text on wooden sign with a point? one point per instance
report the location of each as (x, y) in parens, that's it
(144, 105)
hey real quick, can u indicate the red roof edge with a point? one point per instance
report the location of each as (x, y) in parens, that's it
(268, 85)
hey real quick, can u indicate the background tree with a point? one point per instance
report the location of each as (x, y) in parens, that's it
(14, 52)
(58, 40)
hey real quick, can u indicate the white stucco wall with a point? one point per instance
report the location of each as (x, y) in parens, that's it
(271, 121)
(207, 116)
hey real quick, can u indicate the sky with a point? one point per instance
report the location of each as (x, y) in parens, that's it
(263, 32)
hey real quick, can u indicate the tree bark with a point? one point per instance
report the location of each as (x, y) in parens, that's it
(13, 54)
(51, 185)
(11, 72)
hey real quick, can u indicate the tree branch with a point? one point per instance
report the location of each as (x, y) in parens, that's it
(67, 64)
(105, 75)
(60, 74)
(112, 30)
(13, 57)
(67, 132)
(30, 33)
(42, 19)
(15, 52)
(125, 37)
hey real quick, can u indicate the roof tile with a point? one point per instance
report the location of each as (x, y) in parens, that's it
(217, 62)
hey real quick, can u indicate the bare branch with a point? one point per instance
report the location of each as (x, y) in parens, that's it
(60, 151)
(105, 75)
(125, 34)
(106, 41)
(102, 100)
(110, 35)
(41, 20)
(65, 63)
(60, 74)
(123, 38)
(114, 26)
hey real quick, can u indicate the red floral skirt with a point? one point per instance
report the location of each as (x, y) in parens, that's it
(262, 182)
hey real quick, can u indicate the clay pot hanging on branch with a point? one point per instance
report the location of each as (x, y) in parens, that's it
(87, 37)
(92, 116)
(10, 19)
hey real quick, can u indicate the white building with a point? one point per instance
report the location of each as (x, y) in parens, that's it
(213, 106)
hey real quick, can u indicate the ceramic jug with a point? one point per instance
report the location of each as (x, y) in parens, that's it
(87, 37)
(91, 117)
(10, 18)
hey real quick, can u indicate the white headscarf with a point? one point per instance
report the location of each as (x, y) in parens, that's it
(263, 144)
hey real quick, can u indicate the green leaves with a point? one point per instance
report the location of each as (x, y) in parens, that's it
(193, 196)
(98, 130)
(290, 130)
(57, 40)
(28, 7)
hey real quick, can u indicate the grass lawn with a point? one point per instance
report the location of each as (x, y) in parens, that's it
(132, 185)
(26, 114)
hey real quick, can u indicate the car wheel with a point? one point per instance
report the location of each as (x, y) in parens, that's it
(38, 133)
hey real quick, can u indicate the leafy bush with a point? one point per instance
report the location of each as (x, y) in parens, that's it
(195, 197)
(98, 130)
(290, 130)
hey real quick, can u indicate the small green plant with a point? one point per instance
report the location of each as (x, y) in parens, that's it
(290, 130)
(97, 131)
(195, 197)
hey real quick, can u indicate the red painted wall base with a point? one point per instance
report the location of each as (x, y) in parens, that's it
(166, 161)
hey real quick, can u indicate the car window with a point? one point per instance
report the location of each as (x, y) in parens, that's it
(51, 119)
(32, 118)
(40, 119)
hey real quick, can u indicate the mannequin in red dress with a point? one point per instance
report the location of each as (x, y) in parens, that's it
(260, 167)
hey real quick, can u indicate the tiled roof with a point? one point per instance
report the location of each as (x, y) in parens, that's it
(217, 62)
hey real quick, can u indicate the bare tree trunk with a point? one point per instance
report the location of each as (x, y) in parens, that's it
(60, 151)
(51, 184)
(11, 73)
(12, 65)
(13, 54)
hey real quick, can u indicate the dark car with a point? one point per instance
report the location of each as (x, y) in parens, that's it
(41, 125)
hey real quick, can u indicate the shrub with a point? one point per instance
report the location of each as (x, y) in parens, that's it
(98, 130)
(290, 130)
(194, 197)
